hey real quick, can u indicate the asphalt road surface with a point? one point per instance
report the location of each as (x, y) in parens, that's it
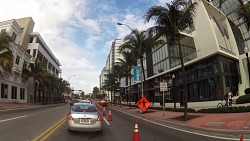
(49, 124)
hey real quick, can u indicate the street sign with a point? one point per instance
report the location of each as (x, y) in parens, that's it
(163, 86)
(143, 104)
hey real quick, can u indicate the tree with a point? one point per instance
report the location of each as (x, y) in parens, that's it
(140, 42)
(244, 12)
(95, 91)
(119, 71)
(128, 62)
(38, 72)
(82, 94)
(6, 56)
(169, 22)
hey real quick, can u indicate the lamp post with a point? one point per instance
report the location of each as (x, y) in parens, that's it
(125, 25)
(70, 77)
(69, 83)
(246, 50)
(173, 77)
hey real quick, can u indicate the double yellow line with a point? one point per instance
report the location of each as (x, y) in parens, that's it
(49, 131)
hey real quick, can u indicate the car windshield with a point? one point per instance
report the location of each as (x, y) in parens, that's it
(84, 108)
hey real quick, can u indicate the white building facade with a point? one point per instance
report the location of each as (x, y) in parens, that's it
(13, 84)
(27, 47)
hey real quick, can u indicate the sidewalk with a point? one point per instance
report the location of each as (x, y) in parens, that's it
(235, 123)
(4, 106)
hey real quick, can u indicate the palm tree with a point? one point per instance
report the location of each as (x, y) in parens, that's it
(140, 42)
(119, 71)
(38, 72)
(111, 83)
(244, 12)
(170, 21)
(128, 62)
(6, 56)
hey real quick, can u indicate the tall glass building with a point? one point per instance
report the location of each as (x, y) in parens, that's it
(210, 52)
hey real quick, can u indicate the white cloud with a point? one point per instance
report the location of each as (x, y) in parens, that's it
(134, 22)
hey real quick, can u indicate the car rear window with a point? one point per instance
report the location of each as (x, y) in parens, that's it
(84, 108)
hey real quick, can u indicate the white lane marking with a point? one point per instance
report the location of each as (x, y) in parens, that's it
(106, 121)
(13, 118)
(200, 134)
(54, 109)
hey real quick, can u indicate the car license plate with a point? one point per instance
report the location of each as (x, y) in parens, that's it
(84, 120)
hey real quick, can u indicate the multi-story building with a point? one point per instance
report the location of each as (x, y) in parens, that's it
(27, 47)
(210, 55)
(13, 84)
(241, 35)
(212, 58)
(113, 58)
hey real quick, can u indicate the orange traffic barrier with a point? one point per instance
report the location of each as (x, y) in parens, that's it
(103, 112)
(242, 137)
(136, 132)
(110, 116)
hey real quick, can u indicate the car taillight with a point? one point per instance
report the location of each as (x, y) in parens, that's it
(69, 117)
(99, 118)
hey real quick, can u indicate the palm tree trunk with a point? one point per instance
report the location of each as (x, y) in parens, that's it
(143, 78)
(184, 79)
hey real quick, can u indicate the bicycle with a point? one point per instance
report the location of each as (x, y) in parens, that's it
(224, 105)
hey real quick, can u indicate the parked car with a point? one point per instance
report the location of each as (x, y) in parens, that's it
(84, 117)
(73, 101)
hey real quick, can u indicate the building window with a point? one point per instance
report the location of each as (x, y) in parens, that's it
(24, 64)
(3, 30)
(13, 37)
(34, 52)
(22, 93)
(17, 59)
(4, 91)
(28, 51)
(31, 40)
(14, 92)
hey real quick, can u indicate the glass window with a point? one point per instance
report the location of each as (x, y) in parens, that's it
(34, 52)
(4, 91)
(14, 92)
(24, 64)
(17, 59)
(22, 93)
(3, 30)
(13, 36)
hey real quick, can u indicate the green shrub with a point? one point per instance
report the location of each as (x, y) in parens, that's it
(247, 91)
(239, 109)
(243, 99)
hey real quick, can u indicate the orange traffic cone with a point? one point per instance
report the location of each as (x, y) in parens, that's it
(110, 116)
(242, 137)
(136, 132)
(104, 112)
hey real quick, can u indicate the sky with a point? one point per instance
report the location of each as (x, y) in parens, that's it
(80, 32)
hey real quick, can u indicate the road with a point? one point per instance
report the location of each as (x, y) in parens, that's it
(49, 124)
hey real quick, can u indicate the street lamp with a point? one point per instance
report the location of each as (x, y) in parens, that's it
(70, 77)
(246, 50)
(126, 25)
(173, 94)
(69, 83)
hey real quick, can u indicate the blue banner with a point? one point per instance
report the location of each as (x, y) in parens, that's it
(137, 74)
